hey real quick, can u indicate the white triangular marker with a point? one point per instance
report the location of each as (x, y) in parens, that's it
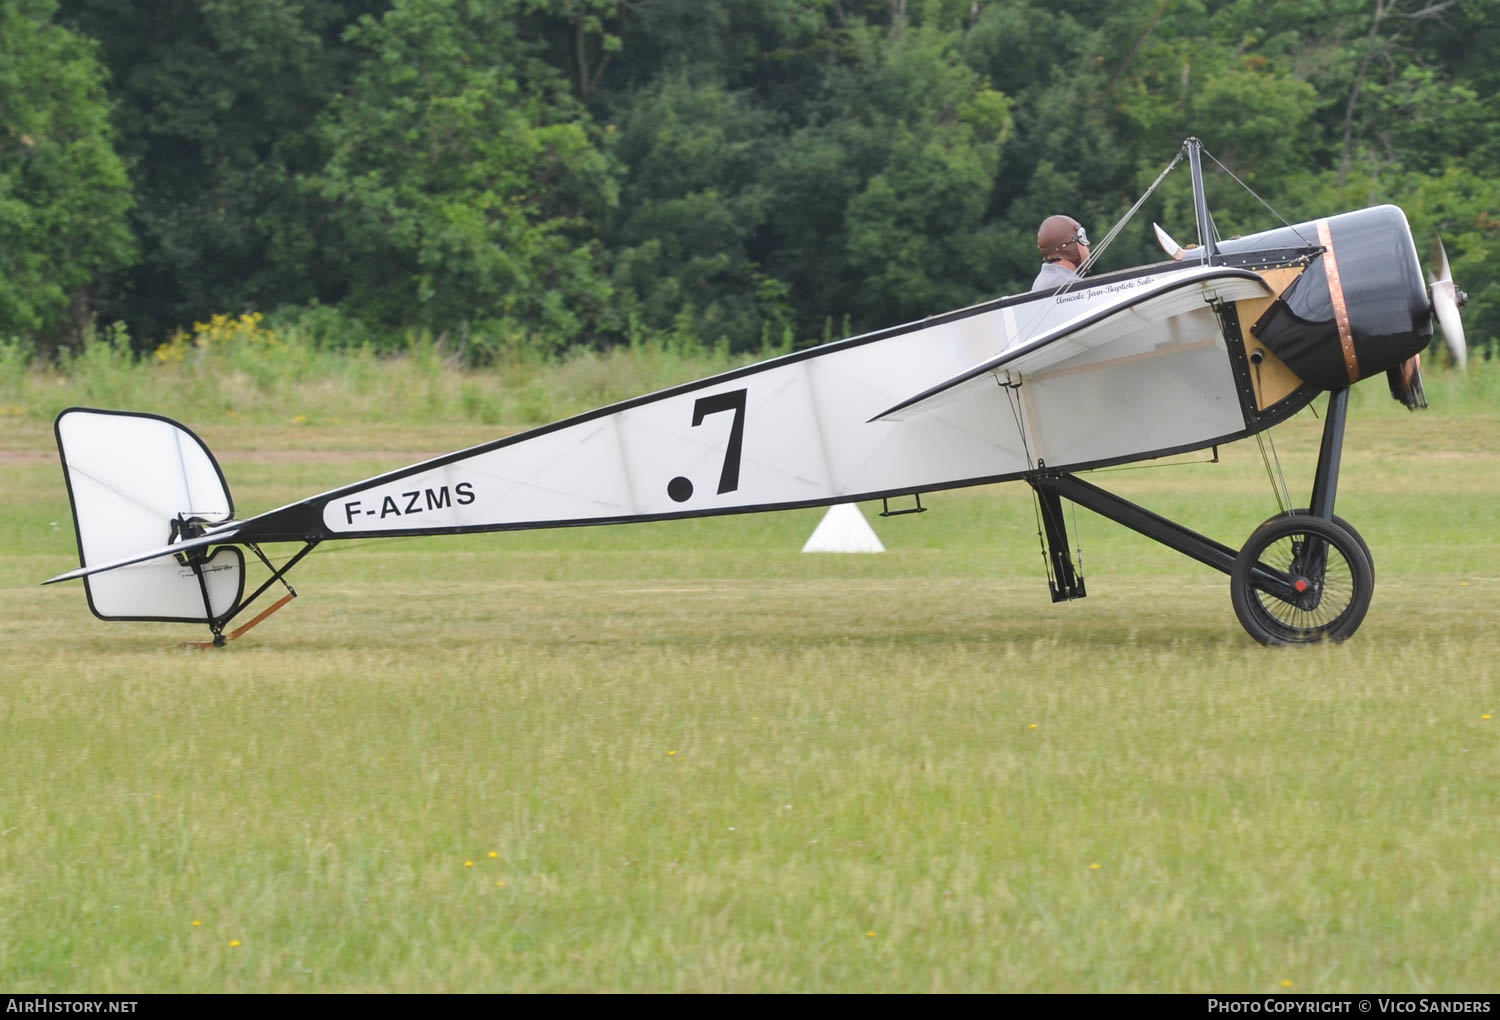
(843, 529)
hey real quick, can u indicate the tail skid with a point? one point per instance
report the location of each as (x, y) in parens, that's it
(220, 639)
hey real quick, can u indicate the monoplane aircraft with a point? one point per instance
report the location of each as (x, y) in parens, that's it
(1221, 342)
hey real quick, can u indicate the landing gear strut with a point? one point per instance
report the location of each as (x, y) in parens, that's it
(1302, 577)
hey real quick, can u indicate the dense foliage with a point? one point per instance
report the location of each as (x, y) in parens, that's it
(538, 174)
(64, 194)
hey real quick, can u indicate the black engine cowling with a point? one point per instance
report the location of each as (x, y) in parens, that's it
(1358, 309)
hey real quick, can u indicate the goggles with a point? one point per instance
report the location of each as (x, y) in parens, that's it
(1080, 236)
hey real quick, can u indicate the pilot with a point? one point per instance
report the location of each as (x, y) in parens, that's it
(1065, 247)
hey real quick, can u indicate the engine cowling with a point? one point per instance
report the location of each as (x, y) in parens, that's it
(1360, 307)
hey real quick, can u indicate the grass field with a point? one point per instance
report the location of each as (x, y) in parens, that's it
(686, 757)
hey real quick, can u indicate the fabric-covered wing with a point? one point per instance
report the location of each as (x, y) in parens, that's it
(1156, 313)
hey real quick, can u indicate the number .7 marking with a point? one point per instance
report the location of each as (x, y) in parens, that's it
(680, 488)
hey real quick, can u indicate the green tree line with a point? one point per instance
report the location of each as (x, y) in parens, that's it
(538, 174)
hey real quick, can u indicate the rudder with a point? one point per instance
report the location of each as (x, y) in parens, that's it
(134, 481)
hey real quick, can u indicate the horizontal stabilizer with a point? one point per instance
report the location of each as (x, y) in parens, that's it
(1151, 305)
(216, 538)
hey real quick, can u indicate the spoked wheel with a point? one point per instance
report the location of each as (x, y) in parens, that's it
(1300, 580)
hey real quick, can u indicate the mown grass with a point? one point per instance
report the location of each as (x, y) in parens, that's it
(687, 757)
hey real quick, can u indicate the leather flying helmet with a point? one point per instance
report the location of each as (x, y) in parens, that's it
(1059, 237)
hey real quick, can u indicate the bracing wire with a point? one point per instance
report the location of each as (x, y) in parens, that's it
(1098, 250)
(1272, 463)
(1013, 399)
(1077, 540)
(1154, 465)
(1269, 208)
(1264, 440)
(1114, 231)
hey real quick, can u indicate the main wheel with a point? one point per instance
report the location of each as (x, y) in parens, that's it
(1300, 580)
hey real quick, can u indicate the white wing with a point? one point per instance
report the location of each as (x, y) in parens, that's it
(1157, 319)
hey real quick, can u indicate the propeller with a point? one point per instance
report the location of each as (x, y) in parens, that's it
(1446, 301)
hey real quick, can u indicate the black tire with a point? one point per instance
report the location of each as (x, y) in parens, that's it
(1363, 545)
(1335, 595)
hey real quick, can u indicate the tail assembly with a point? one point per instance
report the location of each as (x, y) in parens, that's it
(149, 501)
